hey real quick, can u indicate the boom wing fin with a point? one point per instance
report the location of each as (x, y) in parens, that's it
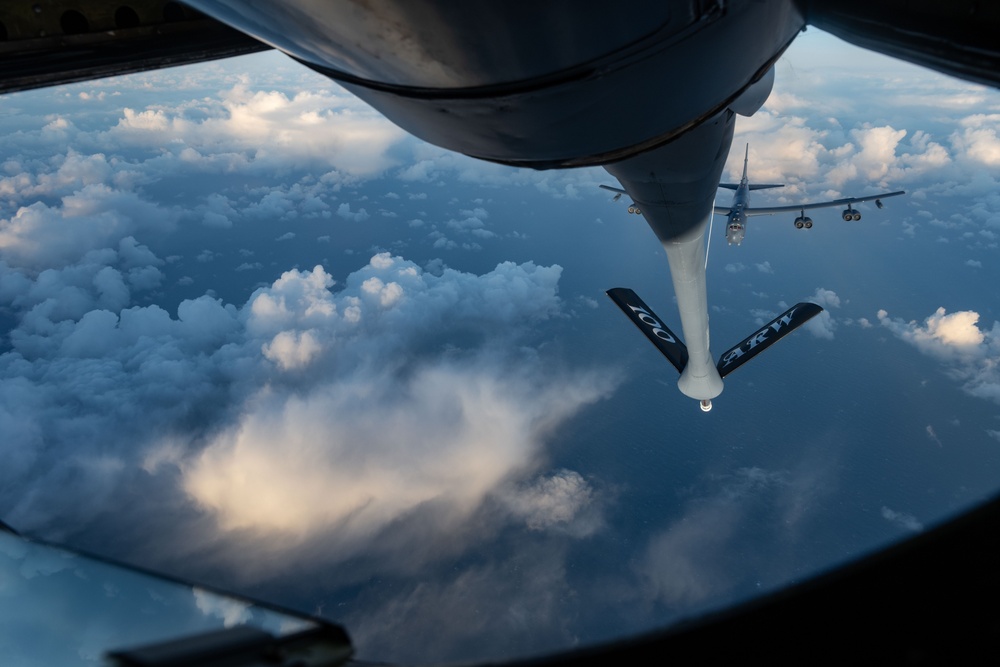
(652, 326)
(767, 336)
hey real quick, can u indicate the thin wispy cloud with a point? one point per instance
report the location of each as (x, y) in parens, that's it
(906, 521)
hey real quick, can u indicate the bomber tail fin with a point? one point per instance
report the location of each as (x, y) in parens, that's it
(767, 336)
(652, 326)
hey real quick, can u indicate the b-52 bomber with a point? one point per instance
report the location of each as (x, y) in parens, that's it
(738, 212)
(673, 190)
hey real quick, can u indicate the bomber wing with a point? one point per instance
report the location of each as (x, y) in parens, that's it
(751, 186)
(633, 207)
(768, 210)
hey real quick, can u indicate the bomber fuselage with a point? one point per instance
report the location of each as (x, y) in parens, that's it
(736, 225)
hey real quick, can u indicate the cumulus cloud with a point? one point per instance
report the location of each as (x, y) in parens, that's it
(267, 129)
(781, 145)
(797, 151)
(484, 432)
(101, 279)
(814, 161)
(469, 223)
(941, 334)
(218, 211)
(60, 202)
(65, 174)
(823, 325)
(977, 140)
(562, 500)
(254, 413)
(44, 236)
(290, 350)
(440, 437)
(878, 150)
(345, 212)
(971, 355)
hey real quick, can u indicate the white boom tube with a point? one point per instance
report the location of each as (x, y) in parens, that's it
(700, 379)
(675, 187)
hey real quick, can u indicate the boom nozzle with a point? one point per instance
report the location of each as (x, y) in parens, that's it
(706, 405)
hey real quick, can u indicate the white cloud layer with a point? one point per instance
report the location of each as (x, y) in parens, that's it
(447, 435)
(269, 129)
(820, 157)
(44, 236)
(401, 360)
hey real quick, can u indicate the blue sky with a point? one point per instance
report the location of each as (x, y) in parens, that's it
(259, 337)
